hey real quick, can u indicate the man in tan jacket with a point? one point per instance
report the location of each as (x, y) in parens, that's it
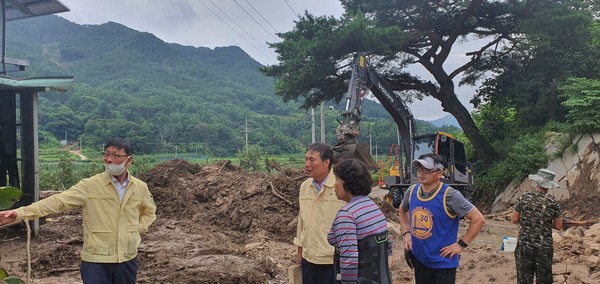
(318, 207)
(117, 208)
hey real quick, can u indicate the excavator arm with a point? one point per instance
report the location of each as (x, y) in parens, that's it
(364, 79)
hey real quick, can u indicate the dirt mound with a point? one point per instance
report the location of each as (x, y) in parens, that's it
(226, 196)
(582, 206)
(210, 214)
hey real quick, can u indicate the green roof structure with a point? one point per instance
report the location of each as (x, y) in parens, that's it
(39, 84)
(19, 154)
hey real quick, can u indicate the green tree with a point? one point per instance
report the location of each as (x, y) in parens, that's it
(583, 102)
(524, 92)
(398, 34)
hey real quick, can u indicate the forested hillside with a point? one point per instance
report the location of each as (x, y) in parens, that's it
(162, 95)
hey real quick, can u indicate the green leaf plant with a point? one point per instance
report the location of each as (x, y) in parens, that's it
(9, 196)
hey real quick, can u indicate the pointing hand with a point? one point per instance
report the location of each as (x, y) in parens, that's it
(7, 217)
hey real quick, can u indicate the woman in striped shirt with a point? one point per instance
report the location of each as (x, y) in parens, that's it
(359, 232)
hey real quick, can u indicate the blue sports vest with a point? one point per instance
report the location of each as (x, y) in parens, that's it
(432, 228)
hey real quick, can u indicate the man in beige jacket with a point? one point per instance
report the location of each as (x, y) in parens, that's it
(318, 207)
(117, 208)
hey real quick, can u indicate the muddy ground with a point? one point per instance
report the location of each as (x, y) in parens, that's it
(217, 223)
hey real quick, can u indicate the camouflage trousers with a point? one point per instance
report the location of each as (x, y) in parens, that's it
(533, 261)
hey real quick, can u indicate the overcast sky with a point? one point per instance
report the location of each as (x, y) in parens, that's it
(212, 23)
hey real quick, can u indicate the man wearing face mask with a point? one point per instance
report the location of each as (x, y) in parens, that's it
(117, 208)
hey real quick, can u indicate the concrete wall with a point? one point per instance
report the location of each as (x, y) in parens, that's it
(576, 170)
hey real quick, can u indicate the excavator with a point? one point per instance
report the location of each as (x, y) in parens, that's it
(365, 79)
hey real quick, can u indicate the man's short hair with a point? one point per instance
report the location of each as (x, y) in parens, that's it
(325, 151)
(120, 143)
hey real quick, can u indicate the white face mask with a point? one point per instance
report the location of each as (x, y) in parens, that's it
(116, 169)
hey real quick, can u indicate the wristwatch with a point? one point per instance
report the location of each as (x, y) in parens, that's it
(462, 243)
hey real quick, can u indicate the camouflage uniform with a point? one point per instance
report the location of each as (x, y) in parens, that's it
(535, 248)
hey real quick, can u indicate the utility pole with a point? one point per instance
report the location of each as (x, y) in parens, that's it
(175, 151)
(312, 125)
(323, 122)
(370, 142)
(246, 134)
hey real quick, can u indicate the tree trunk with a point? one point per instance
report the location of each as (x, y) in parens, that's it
(482, 147)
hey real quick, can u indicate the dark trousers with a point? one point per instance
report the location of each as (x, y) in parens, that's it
(317, 273)
(109, 273)
(533, 261)
(426, 275)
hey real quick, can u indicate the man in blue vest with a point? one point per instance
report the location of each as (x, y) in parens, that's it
(430, 215)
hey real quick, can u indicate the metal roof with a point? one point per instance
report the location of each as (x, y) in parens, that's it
(39, 84)
(21, 9)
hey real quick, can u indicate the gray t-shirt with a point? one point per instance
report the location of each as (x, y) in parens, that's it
(455, 201)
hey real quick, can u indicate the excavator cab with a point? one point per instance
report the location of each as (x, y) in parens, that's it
(458, 171)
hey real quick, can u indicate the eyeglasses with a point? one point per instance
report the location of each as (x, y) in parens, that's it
(426, 171)
(113, 156)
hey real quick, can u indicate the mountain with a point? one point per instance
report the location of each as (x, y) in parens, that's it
(447, 120)
(164, 96)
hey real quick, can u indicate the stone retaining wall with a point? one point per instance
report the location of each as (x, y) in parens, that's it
(576, 170)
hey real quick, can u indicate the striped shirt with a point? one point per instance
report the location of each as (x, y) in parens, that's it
(358, 219)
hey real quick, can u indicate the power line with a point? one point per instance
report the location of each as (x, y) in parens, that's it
(272, 56)
(255, 20)
(261, 16)
(292, 9)
(234, 30)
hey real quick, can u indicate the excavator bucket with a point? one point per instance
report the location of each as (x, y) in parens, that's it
(359, 151)
(363, 153)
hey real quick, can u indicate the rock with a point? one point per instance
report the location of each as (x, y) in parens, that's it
(253, 246)
(595, 248)
(559, 279)
(577, 273)
(575, 248)
(593, 231)
(592, 261)
(574, 232)
(556, 238)
(595, 227)
(595, 277)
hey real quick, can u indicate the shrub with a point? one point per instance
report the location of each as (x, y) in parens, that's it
(251, 160)
(525, 156)
(582, 101)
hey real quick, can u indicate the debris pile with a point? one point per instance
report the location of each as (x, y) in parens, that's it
(577, 255)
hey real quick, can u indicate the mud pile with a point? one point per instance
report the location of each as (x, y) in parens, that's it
(206, 217)
(215, 223)
(225, 196)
